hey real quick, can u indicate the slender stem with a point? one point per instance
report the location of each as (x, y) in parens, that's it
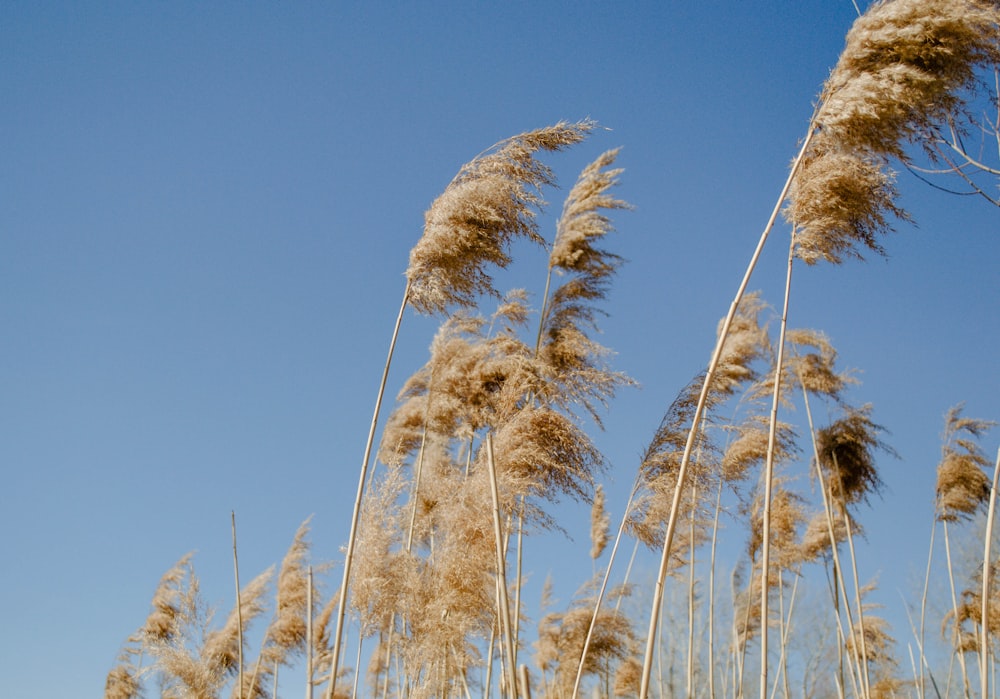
(711, 595)
(501, 568)
(839, 586)
(239, 607)
(765, 553)
(356, 515)
(863, 642)
(309, 634)
(696, 420)
(984, 631)
(923, 612)
(604, 587)
(518, 576)
(690, 600)
(956, 632)
(357, 667)
(388, 661)
(488, 680)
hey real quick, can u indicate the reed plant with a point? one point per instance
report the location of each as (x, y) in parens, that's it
(499, 424)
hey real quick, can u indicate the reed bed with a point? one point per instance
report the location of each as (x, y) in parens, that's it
(498, 425)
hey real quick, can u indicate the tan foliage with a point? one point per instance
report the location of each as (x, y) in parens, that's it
(962, 486)
(846, 451)
(490, 202)
(907, 67)
(599, 522)
(561, 636)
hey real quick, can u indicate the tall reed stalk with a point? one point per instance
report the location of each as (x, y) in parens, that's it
(239, 608)
(984, 626)
(695, 424)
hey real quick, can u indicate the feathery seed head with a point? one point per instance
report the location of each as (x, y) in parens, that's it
(491, 202)
(172, 606)
(599, 522)
(815, 370)
(121, 683)
(582, 222)
(962, 486)
(840, 203)
(846, 451)
(903, 70)
(906, 68)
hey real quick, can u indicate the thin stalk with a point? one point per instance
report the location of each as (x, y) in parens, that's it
(309, 634)
(711, 595)
(696, 420)
(984, 631)
(416, 478)
(839, 586)
(765, 554)
(746, 635)
(356, 514)
(604, 587)
(388, 661)
(522, 674)
(517, 589)
(865, 679)
(923, 658)
(501, 567)
(357, 666)
(690, 600)
(954, 605)
(923, 611)
(239, 607)
(786, 623)
(489, 665)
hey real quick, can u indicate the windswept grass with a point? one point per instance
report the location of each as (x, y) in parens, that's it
(499, 423)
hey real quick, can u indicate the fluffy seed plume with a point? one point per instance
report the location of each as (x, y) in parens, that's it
(908, 65)
(576, 363)
(814, 370)
(287, 633)
(962, 486)
(904, 68)
(583, 222)
(491, 202)
(599, 522)
(847, 451)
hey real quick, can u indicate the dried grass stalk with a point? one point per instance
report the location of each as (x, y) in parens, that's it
(907, 67)
(962, 485)
(491, 202)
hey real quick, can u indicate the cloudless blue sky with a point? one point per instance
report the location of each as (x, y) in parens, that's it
(205, 218)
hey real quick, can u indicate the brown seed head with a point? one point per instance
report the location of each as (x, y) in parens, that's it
(491, 202)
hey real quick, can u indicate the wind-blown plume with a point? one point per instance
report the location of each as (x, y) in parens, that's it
(575, 363)
(847, 451)
(962, 485)
(908, 65)
(599, 522)
(491, 202)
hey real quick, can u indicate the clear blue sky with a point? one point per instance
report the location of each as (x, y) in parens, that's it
(206, 213)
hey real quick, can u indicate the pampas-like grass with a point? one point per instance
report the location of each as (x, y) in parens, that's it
(122, 684)
(962, 485)
(561, 638)
(286, 635)
(847, 451)
(576, 365)
(907, 67)
(599, 521)
(490, 202)
(904, 68)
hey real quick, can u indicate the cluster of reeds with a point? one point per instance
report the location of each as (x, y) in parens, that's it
(494, 428)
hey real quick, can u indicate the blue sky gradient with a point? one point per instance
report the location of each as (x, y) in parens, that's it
(206, 216)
